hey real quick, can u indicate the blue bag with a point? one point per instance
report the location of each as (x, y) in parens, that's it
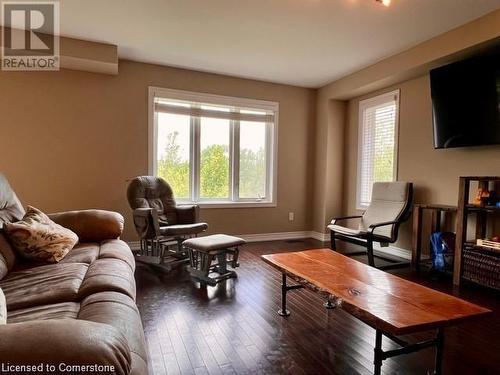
(442, 250)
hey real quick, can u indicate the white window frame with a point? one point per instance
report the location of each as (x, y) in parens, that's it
(271, 152)
(363, 105)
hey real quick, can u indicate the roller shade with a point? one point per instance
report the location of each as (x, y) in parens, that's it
(213, 113)
(377, 148)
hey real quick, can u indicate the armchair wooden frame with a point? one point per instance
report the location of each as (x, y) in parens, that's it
(161, 224)
(163, 252)
(367, 240)
(367, 237)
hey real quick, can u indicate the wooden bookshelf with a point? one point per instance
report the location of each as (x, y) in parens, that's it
(464, 209)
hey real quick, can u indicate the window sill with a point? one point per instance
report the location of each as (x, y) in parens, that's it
(232, 204)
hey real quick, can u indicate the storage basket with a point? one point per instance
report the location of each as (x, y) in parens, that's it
(481, 267)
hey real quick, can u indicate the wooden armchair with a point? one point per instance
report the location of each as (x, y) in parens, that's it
(390, 206)
(159, 220)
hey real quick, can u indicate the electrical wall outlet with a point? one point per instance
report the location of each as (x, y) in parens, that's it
(291, 216)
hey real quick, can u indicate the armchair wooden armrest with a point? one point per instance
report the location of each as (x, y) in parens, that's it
(188, 213)
(372, 227)
(335, 219)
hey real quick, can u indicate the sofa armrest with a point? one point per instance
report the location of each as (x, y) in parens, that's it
(188, 213)
(64, 342)
(91, 225)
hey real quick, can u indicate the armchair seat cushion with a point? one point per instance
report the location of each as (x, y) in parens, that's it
(215, 242)
(359, 233)
(346, 231)
(183, 229)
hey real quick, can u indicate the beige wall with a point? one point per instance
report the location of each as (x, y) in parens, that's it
(71, 140)
(333, 199)
(329, 165)
(434, 172)
(453, 45)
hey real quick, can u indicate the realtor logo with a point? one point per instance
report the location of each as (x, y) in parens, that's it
(30, 35)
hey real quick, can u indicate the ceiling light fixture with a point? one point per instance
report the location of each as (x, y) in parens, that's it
(384, 2)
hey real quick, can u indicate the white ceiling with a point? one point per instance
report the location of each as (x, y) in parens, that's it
(299, 42)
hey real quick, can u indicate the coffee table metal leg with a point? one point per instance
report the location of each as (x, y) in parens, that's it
(405, 348)
(284, 289)
(438, 366)
(378, 352)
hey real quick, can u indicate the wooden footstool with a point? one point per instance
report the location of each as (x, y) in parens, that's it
(203, 250)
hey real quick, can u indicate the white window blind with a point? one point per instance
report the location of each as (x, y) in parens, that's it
(226, 113)
(377, 153)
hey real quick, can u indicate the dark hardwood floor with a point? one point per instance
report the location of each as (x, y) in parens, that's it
(234, 327)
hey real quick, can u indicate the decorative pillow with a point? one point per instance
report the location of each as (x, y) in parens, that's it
(3, 308)
(36, 237)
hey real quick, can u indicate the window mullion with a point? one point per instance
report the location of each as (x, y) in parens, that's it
(235, 160)
(195, 162)
(269, 144)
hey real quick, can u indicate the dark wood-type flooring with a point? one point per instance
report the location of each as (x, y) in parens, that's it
(234, 327)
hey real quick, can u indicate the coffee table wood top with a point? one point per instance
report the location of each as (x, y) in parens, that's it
(381, 300)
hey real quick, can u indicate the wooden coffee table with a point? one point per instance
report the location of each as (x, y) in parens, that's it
(389, 304)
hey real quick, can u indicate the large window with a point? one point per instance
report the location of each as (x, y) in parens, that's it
(214, 150)
(377, 149)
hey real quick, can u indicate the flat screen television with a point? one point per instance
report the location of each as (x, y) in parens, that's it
(466, 102)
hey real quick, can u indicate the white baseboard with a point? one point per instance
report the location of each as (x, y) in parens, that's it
(261, 237)
(297, 235)
(393, 250)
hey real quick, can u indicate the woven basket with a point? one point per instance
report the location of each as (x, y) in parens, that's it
(481, 268)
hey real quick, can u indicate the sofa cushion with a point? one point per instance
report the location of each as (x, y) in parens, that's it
(83, 253)
(90, 252)
(119, 311)
(10, 206)
(43, 285)
(3, 267)
(3, 308)
(36, 237)
(117, 249)
(63, 310)
(7, 256)
(108, 275)
(70, 342)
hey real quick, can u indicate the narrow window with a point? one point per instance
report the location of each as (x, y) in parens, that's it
(377, 148)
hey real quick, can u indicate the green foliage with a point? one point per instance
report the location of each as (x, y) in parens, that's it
(252, 173)
(214, 171)
(173, 169)
(384, 151)
(384, 164)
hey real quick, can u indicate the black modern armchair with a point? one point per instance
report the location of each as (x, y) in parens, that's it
(390, 206)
